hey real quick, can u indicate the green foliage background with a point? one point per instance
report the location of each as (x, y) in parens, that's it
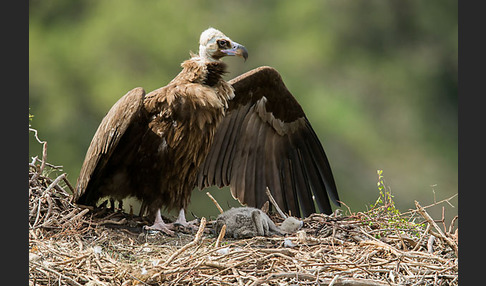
(377, 79)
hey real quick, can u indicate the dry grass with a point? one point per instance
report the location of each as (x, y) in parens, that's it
(69, 245)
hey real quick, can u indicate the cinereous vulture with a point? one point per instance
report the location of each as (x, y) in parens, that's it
(199, 131)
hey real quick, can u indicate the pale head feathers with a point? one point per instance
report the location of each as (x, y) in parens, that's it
(208, 46)
(210, 35)
(213, 45)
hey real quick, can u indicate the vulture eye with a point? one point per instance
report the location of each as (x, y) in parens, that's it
(222, 43)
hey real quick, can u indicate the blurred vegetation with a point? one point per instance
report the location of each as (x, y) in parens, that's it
(377, 79)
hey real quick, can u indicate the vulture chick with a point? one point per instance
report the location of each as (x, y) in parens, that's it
(246, 222)
(199, 130)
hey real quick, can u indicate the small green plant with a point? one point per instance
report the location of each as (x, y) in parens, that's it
(384, 215)
(31, 116)
(385, 198)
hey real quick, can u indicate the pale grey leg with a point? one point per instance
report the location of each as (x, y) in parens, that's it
(181, 220)
(159, 224)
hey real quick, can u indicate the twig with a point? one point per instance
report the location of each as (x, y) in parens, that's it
(67, 261)
(80, 214)
(215, 202)
(238, 276)
(441, 235)
(333, 281)
(38, 213)
(417, 246)
(220, 236)
(192, 243)
(431, 205)
(133, 277)
(216, 264)
(50, 205)
(69, 280)
(35, 159)
(274, 203)
(44, 154)
(68, 184)
(110, 221)
(55, 182)
(451, 226)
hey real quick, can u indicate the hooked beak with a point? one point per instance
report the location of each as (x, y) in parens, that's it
(237, 50)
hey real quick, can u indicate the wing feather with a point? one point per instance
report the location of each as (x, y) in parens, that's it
(240, 160)
(248, 152)
(288, 185)
(265, 140)
(106, 138)
(272, 175)
(322, 164)
(310, 163)
(259, 173)
(233, 141)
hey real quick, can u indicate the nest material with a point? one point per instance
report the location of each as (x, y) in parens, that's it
(69, 245)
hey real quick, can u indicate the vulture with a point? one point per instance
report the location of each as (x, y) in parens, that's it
(198, 131)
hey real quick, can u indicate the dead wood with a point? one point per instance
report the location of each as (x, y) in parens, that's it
(439, 232)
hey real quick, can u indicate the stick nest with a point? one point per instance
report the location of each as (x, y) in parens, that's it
(69, 245)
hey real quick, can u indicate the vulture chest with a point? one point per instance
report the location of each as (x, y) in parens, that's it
(175, 144)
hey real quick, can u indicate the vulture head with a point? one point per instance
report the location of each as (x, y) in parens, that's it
(213, 45)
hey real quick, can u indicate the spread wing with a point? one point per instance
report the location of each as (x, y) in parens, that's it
(105, 140)
(265, 140)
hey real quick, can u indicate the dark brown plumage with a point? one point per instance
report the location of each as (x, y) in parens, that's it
(199, 130)
(266, 140)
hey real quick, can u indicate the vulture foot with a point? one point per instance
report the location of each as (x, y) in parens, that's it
(182, 222)
(160, 225)
(163, 227)
(192, 225)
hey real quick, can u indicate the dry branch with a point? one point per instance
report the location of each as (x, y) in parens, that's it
(196, 240)
(440, 234)
(220, 236)
(274, 203)
(215, 202)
